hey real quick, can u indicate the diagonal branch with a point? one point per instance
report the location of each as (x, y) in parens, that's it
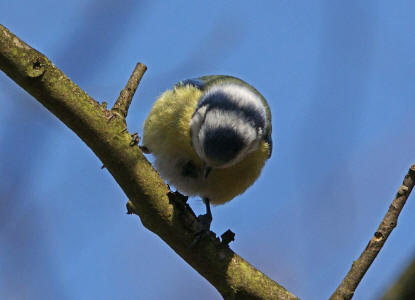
(161, 211)
(126, 96)
(359, 267)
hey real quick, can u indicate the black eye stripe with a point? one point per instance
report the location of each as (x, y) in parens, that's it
(220, 101)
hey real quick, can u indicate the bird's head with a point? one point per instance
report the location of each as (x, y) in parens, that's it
(229, 123)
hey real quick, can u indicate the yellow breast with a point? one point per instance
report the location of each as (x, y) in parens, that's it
(167, 136)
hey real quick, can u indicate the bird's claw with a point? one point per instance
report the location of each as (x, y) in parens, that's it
(203, 228)
(135, 139)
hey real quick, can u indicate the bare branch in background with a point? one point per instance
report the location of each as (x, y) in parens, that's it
(359, 267)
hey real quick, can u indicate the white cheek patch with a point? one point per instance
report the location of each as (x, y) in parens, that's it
(195, 124)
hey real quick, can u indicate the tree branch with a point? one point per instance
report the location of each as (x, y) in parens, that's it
(126, 96)
(359, 267)
(161, 211)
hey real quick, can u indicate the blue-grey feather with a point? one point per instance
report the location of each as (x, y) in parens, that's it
(196, 82)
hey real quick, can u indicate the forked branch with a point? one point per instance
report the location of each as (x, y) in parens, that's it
(126, 96)
(161, 211)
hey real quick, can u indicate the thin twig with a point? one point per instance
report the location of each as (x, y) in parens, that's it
(359, 267)
(126, 95)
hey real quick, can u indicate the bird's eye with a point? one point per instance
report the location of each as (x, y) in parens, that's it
(189, 170)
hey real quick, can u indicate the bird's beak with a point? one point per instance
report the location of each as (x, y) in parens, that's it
(207, 171)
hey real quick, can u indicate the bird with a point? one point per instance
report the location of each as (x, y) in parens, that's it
(210, 137)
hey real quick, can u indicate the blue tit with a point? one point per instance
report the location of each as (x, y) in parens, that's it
(210, 137)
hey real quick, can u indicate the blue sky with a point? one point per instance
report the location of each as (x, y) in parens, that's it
(338, 76)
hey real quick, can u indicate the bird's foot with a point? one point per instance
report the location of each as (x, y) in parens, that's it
(203, 224)
(144, 149)
(203, 228)
(135, 139)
